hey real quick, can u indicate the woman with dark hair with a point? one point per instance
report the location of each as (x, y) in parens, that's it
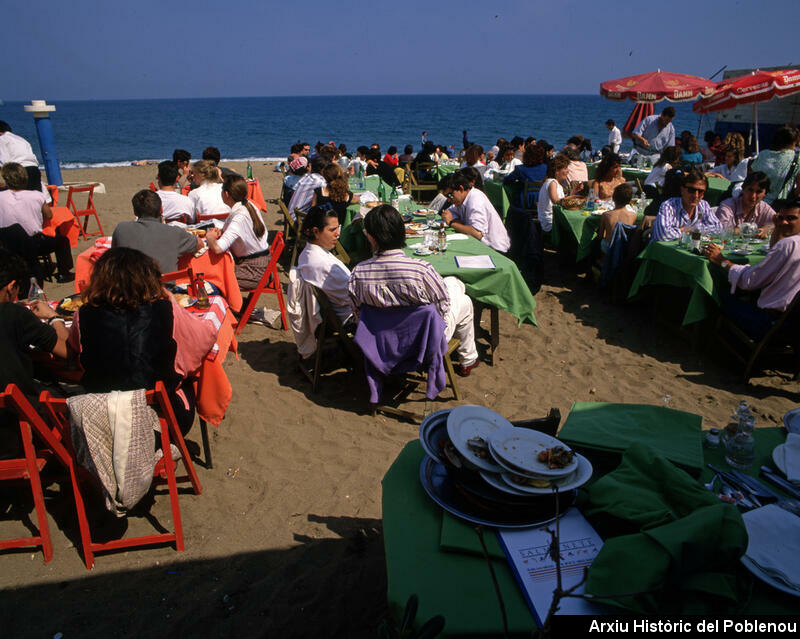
(318, 266)
(532, 169)
(391, 156)
(749, 205)
(586, 150)
(691, 151)
(130, 333)
(608, 177)
(669, 158)
(729, 169)
(474, 176)
(336, 192)
(508, 160)
(780, 163)
(552, 191)
(243, 233)
(474, 157)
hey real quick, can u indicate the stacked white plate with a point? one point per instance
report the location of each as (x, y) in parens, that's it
(510, 461)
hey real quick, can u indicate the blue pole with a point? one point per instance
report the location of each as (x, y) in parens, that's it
(47, 144)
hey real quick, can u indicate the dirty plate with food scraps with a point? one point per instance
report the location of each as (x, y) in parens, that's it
(574, 480)
(470, 427)
(520, 447)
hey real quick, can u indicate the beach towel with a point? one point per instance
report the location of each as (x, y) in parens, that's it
(112, 434)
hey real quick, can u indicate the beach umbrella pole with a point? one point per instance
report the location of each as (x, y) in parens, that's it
(44, 128)
(755, 123)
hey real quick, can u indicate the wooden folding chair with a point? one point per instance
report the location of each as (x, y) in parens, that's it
(31, 464)
(530, 192)
(340, 252)
(331, 329)
(754, 349)
(85, 213)
(164, 471)
(299, 241)
(269, 283)
(421, 190)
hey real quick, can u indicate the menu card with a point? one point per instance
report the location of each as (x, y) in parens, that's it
(527, 553)
(474, 261)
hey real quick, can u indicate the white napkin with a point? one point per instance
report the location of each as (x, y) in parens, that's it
(774, 543)
(458, 236)
(792, 455)
(368, 196)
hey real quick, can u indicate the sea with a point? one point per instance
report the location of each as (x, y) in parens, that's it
(92, 133)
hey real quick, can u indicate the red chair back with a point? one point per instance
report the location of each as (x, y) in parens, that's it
(184, 275)
(153, 187)
(29, 466)
(164, 471)
(269, 283)
(53, 190)
(212, 216)
(85, 213)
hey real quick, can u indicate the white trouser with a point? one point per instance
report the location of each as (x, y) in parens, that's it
(458, 321)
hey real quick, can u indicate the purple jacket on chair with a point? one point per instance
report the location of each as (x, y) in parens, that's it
(401, 339)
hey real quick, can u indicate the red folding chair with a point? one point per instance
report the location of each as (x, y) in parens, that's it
(269, 283)
(212, 216)
(86, 213)
(31, 465)
(164, 471)
(53, 190)
(152, 187)
(183, 274)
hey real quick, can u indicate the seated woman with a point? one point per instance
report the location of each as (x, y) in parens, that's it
(655, 180)
(22, 213)
(474, 176)
(318, 266)
(207, 197)
(733, 170)
(507, 159)
(688, 210)
(475, 157)
(336, 192)
(130, 333)
(622, 196)
(691, 151)
(532, 169)
(749, 205)
(552, 191)
(244, 234)
(776, 276)
(608, 177)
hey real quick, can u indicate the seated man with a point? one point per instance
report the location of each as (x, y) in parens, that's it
(212, 154)
(621, 213)
(20, 329)
(749, 206)
(20, 207)
(358, 165)
(376, 166)
(164, 243)
(777, 276)
(304, 190)
(389, 278)
(473, 213)
(688, 210)
(182, 158)
(174, 205)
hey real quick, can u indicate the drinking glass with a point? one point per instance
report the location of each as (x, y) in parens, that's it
(430, 218)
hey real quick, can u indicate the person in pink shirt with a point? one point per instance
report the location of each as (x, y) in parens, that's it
(777, 277)
(749, 206)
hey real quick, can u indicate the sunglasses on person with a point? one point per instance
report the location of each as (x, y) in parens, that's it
(694, 190)
(787, 218)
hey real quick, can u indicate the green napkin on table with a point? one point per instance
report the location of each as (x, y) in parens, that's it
(664, 532)
(613, 427)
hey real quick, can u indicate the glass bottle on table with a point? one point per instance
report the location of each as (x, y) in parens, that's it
(249, 171)
(200, 292)
(35, 292)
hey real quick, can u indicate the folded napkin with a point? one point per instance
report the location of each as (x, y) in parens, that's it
(774, 545)
(367, 196)
(792, 454)
(666, 538)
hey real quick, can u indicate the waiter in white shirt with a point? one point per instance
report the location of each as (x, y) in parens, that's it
(614, 136)
(14, 148)
(473, 213)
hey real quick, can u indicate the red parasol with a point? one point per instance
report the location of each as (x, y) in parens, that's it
(755, 87)
(639, 113)
(656, 86)
(758, 86)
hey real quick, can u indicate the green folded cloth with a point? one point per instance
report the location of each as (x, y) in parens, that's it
(664, 533)
(613, 427)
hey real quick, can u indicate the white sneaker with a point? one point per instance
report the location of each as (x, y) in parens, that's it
(266, 316)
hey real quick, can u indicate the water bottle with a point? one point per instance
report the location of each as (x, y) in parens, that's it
(249, 171)
(442, 240)
(200, 291)
(395, 199)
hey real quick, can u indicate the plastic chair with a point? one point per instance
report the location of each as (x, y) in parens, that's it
(29, 467)
(269, 283)
(85, 213)
(163, 471)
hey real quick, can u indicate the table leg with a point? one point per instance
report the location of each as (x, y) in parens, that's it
(494, 328)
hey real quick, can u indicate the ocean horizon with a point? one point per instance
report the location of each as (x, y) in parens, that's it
(93, 133)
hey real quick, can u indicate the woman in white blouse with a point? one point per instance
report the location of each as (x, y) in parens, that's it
(207, 197)
(244, 234)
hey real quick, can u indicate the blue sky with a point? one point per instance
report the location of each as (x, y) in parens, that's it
(87, 49)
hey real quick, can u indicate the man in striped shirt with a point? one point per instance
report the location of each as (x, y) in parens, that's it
(390, 278)
(304, 191)
(688, 210)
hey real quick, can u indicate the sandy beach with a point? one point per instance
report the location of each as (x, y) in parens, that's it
(285, 539)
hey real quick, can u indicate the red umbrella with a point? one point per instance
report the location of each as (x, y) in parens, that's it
(656, 86)
(755, 87)
(639, 113)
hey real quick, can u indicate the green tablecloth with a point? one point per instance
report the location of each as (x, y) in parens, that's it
(502, 196)
(440, 170)
(665, 263)
(501, 287)
(716, 186)
(371, 183)
(458, 584)
(576, 228)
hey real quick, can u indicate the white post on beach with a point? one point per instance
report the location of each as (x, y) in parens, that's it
(44, 128)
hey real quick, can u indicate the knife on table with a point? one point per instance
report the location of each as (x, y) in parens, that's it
(756, 487)
(779, 482)
(734, 482)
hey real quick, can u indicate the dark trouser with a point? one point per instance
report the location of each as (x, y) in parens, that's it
(34, 178)
(746, 315)
(59, 245)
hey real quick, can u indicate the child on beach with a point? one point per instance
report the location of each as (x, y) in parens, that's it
(621, 213)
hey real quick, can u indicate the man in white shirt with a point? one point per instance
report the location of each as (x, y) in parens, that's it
(174, 205)
(473, 213)
(304, 192)
(14, 148)
(655, 133)
(614, 136)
